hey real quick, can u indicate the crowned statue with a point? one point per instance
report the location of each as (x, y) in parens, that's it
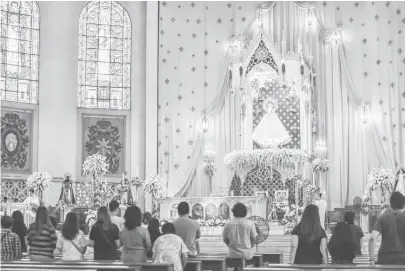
(125, 192)
(270, 132)
(66, 193)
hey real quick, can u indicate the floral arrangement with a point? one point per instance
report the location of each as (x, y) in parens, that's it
(91, 217)
(320, 165)
(137, 182)
(209, 165)
(155, 186)
(95, 166)
(382, 179)
(213, 222)
(285, 158)
(291, 217)
(309, 190)
(39, 181)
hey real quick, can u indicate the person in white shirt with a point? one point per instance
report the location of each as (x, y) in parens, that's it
(321, 204)
(114, 207)
(71, 242)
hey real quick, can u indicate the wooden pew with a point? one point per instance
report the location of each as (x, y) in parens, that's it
(294, 267)
(273, 258)
(82, 265)
(210, 263)
(257, 260)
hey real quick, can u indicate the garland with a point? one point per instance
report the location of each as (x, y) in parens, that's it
(285, 158)
(320, 165)
(209, 165)
(213, 222)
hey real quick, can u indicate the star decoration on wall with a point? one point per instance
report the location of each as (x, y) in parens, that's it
(243, 19)
(188, 157)
(337, 8)
(164, 60)
(192, 4)
(378, 62)
(356, 4)
(206, 52)
(167, 119)
(398, 11)
(400, 51)
(351, 20)
(387, 4)
(198, 21)
(403, 20)
(173, 20)
(192, 109)
(240, 8)
(376, 17)
(164, 4)
(229, 5)
(162, 32)
(178, 35)
(219, 21)
(167, 81)
(380, 101)
(379, 84)
(178, 131)
(179, 97)
(324, 4)
(193, 55)
(194, 35)
(167, 103)
(392, 85)
(159, 143)
(205, 84)
(365, 74)
(190, 142)
(166, 153)
(181, 49)
(390, 42)
(188, 20)
(193, 69)
(364, 40)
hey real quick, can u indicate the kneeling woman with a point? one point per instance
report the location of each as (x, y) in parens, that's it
(308, 239)
(342, 245)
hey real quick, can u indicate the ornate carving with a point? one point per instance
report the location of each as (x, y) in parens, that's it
(15, 142)
(105, 139)
(14, 189)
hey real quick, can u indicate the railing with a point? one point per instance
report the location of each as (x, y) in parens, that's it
(82, 265)
(288, 267)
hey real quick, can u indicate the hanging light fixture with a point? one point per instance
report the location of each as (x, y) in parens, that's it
(204, 124)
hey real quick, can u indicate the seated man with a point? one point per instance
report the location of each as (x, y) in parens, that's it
(188, 229)
(240, 234)
(10, 242)
(391, 225)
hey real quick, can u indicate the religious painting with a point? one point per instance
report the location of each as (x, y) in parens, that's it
(197, 212)
(105, 135)
(224, 211)
(16, 141)
(211, 211)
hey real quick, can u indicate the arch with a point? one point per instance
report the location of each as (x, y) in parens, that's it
(19, 51)
(104, 60)
(261, 55)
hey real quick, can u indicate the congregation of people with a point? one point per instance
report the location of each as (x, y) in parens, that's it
(138, 237)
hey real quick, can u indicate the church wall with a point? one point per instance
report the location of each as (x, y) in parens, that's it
(57, 120)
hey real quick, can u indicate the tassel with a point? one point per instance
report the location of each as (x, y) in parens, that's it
(302, 69)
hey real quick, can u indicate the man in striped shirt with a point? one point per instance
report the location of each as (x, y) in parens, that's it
(10, 242)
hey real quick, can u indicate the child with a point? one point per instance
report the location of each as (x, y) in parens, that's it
(10, 242)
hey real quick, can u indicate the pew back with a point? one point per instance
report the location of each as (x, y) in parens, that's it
(287, 267)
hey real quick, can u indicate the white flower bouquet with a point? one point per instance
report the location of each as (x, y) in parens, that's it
(320, 165)
(291, 217)
(137, 182)
(209, 165)
(285, 158)
(95, 166)
(381, 179)
(39, 181)
(61, 205)
(91, 217)
(155, 186)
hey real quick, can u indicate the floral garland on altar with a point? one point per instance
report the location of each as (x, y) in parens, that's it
(382, 179)
(40, 181)
(320, 165)
(213, 222)
(285, 158)
(209, 165)
(155, 186)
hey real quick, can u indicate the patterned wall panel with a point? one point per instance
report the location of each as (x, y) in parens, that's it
(84, 193)
(14, 189)
(106, 135)
(16, 141)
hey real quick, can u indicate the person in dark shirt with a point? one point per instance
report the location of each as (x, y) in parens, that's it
(308, 239)
(19, 228)
(10, 242)
(104, 236)
(391, 227)
(154, 232)
(357, 232)
(342, 245)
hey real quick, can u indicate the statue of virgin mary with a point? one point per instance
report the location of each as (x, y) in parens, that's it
(66, 193)
(270, 132)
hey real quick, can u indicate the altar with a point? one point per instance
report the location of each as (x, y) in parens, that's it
(214, 211)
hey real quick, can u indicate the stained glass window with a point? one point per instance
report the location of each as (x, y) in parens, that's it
(104, 66)
(19, 51)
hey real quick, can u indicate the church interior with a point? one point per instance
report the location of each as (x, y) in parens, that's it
(276, 105)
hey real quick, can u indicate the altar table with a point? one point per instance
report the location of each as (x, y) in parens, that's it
(206, 208)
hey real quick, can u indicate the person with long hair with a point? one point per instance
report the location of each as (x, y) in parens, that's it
(19, 228)
(71, 242)
(104, 236)
(308, 239)
(135, 239)
(342, 245)
(154, 232)
(170, 248)
(146, 217)
(41, 237)
(357, 232)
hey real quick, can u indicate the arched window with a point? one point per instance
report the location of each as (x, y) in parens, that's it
(19, 51)
(104, 66)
